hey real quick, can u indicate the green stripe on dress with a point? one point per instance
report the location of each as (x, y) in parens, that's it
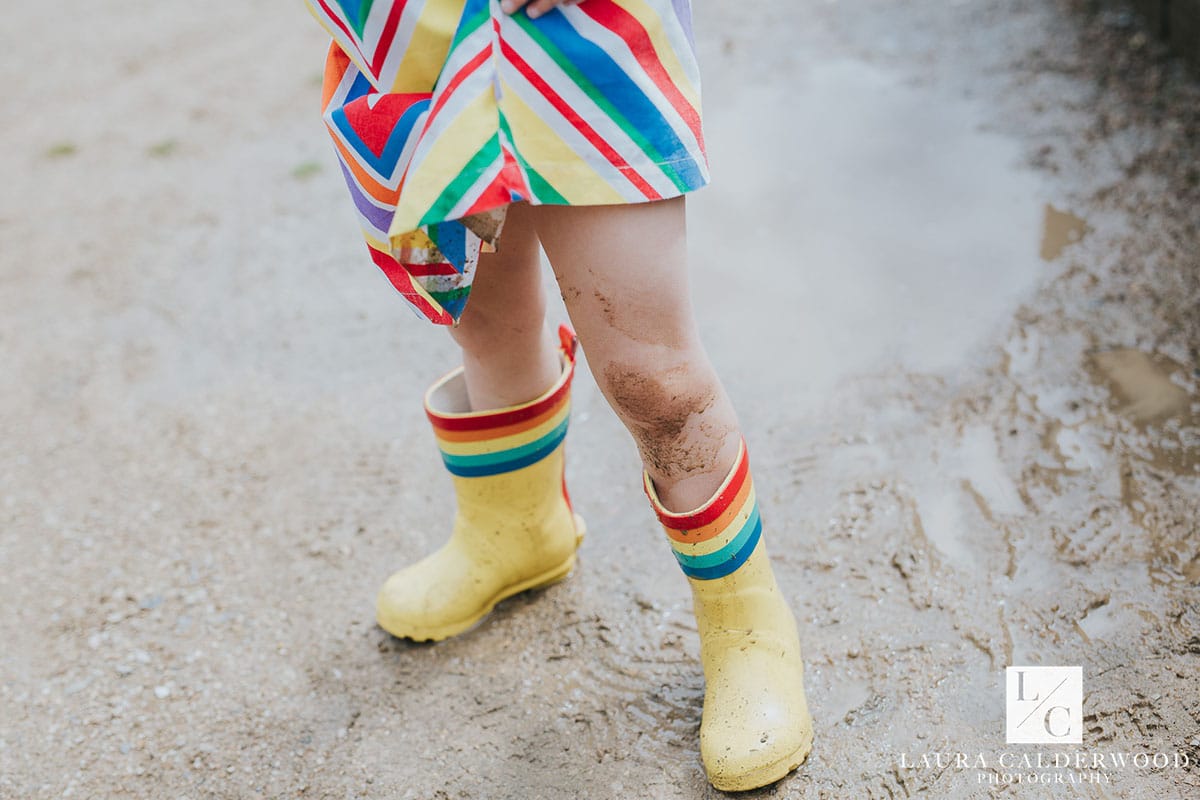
(593, 92)
(541, 188)
(452, 195)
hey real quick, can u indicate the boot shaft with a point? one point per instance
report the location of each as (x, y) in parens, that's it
(506, 461)
(720, 547)
(716, 539)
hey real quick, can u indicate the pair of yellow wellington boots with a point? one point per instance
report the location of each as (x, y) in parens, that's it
(514, 530)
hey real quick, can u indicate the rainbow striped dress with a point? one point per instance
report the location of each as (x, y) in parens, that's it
(443, 112)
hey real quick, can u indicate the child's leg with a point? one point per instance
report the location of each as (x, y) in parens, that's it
(500, 424)
(623, 274)
(509, 356)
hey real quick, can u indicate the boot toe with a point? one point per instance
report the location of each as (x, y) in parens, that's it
(756, 726)
(738, 761)
(414, 603)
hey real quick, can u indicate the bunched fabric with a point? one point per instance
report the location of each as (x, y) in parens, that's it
(443, 112)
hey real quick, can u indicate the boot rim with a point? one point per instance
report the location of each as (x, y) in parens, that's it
(508, 415)
(711, 508)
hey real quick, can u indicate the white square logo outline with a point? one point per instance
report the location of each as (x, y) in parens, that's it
(1043, 705)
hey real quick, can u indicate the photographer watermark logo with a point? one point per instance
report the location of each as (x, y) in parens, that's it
(1044, 705)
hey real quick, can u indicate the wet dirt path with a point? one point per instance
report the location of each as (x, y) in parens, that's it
(948, 270)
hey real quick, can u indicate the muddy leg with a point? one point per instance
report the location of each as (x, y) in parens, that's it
(622, 271)
(509, 355)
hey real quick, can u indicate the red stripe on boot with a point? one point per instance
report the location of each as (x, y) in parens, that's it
(714, 507)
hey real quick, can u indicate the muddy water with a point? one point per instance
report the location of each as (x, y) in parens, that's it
(1059, 230)
(947, 270)
(1158, 395)
(865, 197)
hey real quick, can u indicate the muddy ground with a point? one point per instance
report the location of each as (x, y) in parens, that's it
(948, 268)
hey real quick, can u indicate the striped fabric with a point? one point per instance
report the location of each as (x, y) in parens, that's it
(717, 538)
(476, 445)
(445, 111)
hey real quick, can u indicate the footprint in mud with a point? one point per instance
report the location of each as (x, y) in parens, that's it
(651, 688)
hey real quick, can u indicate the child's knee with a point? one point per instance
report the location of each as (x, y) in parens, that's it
(661, 405)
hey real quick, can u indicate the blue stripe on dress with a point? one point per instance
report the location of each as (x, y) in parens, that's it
(384, 162)
(626, 97)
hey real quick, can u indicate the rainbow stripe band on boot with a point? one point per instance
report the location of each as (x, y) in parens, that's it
(717, 538)
(476, 445)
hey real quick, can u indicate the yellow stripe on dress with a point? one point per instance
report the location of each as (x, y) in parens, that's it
(453, 144)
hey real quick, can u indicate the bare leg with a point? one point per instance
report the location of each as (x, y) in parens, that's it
(623, 274)
(622, 271)
(508, 352)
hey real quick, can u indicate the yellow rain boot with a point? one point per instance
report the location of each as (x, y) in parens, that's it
(756, 727)
(514, 529)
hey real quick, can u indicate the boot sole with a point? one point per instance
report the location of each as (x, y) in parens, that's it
(437, 633)
(766, 775)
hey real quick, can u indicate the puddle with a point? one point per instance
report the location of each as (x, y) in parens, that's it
(965, 490)
(1141, 385)
(1060, 229)
(844, 698)
(868, 223)
(982, 469)
(1156, 394)
(943, 520)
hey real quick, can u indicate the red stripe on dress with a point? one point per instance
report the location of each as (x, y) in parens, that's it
(571, 116)
(429, 269)
(500, 191)
(627, 27)
(386, 262)
(342, 26)
(494, 195)
(386, 36)
(442, 99)
(403, 283)
(715, 507)
(455, 82)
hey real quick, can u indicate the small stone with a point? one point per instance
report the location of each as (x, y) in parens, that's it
(124, 670)
(79, 685)
(125, 748)
(162, 692)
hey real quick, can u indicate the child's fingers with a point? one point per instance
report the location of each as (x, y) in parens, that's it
(535, 8)
(539, 7)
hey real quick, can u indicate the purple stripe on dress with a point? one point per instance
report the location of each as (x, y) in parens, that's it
(380, 218)
(683, 12)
